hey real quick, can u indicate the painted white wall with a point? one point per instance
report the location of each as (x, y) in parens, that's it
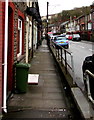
(89, 26)
(35, 37)
(30, 35)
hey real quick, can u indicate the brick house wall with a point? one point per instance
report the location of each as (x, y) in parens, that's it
(19, 11)
(15, 10)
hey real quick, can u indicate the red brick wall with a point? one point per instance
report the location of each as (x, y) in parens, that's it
(13, 43)
(20, 8)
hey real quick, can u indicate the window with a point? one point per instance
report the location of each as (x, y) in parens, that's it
(19, 52)
(89, 26)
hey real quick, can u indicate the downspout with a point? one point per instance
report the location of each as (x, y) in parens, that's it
(27, 36)
(5, 58)
(37, 36)
(32, 34)
(32, 31)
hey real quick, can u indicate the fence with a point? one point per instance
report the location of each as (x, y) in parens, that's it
(88, 73)
(61, 55)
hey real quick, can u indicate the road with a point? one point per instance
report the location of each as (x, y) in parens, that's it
(80, 50)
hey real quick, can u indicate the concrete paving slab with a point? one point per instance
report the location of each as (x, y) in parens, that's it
(52, 85)
(54, 104)
(52, 96)
(53, 114)
(53, 89)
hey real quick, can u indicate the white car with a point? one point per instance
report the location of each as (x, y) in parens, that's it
(76, 37)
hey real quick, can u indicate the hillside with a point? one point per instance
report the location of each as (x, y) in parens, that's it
(66, 14)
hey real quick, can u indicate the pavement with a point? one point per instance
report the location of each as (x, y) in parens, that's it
(42, 100)
(47, 98)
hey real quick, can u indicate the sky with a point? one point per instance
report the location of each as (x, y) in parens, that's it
(56, 6)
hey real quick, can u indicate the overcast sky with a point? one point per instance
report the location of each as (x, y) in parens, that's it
(56, 6)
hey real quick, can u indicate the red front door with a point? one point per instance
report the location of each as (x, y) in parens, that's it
(10, 50)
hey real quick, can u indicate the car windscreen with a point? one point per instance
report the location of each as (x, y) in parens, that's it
(61, 35)
(61, 38)
(76, 35)
(67, 36)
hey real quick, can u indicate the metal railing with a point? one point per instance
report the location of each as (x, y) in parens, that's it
(88, 73)
(61, 56)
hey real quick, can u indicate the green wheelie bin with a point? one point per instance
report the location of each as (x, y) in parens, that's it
(22, 77)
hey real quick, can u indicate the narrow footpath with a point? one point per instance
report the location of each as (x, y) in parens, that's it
(47, 98)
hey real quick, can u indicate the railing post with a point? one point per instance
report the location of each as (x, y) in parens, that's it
(73, 74)
(88, 86)
(65, 61)
(88, 73)
(58, 54)
(61, 55)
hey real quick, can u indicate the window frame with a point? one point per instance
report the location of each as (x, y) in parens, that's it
(20, 37)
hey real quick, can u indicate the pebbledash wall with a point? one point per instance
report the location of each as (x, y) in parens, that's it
(16, 11)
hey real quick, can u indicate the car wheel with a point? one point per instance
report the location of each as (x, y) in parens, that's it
(67, 46)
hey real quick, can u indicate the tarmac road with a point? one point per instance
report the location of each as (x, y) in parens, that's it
(80, 50)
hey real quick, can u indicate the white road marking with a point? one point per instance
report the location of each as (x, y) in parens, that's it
(82, 47)
(90, 49)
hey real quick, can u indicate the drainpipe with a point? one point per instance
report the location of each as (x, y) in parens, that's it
(32, 31)
(5, 58)
(27, 36)
(47, 25)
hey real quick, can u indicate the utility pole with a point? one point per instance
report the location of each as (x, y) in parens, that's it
(47, 25)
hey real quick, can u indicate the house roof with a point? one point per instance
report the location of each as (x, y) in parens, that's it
(51, 25)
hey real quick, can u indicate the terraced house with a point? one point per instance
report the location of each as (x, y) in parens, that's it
(20, 35)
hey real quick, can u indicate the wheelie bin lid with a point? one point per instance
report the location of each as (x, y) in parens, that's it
(23, 65)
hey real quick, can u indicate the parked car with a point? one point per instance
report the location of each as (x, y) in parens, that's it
(53, 37)
(69, 37)
(50, 33)
(76, 37)
(61, 41)
(62, 35)
(88, 64)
